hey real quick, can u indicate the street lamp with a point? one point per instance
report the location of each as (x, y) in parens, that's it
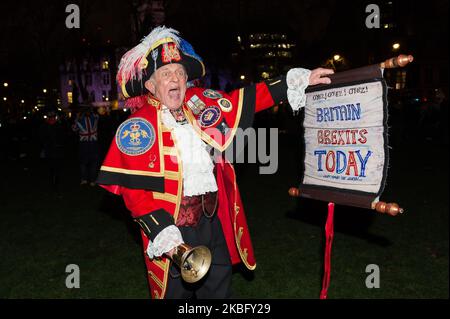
(396, 46)
(5, 84)
(242, 77)
(44, 90)
(336, 57)
(22, 101)
(4, 99)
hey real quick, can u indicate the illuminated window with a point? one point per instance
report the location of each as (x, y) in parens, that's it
(400, 80)
(69, 97)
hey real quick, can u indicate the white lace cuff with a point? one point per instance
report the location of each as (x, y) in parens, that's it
(170, 237)
(297, 81)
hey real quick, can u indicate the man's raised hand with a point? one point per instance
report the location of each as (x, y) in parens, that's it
(319, 76)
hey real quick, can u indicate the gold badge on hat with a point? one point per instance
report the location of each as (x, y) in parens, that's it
(225, 104)
(170, 53)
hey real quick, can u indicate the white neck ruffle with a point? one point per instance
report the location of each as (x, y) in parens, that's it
(198, 176)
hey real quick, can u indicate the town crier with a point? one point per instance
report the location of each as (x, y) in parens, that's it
(167, 159)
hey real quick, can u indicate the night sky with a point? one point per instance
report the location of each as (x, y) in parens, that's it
(34, 39)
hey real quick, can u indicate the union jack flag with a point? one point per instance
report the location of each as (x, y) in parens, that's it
(86, 126)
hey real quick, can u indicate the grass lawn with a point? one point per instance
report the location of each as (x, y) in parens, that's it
(41, 233)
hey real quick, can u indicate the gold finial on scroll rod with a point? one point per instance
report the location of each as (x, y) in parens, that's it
(387, 208)
(397, 62)
(294, 192)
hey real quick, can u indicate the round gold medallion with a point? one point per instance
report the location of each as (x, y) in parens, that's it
(225, 104)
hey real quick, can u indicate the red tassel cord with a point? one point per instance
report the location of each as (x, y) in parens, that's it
(329, 233)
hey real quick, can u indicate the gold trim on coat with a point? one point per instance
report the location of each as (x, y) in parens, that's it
(156, 279)
(166, 197)
(172, 175)
(130, 171)
(174, 198)
(169, 150)
(160, 263)
(238, 235)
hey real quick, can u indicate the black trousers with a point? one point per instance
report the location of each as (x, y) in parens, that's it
(89, 159)
(217, 282)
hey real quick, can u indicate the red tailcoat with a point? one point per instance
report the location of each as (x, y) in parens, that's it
(150, 178)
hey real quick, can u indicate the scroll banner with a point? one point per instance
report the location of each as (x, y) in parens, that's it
(345, 138)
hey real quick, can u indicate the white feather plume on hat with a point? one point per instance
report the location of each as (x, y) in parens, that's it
(133, 63)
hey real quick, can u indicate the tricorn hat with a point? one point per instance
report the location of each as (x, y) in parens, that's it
(161, 47)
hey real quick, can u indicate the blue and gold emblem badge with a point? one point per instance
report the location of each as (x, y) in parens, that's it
(210, 116)
(212, 94)
(135, 136)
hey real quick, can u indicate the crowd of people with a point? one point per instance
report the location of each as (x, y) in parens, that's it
(61, 136)
(55, 138)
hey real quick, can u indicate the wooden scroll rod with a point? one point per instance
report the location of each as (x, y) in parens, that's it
(392, 209)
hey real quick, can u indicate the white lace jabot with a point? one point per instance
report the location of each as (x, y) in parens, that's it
(198, 176)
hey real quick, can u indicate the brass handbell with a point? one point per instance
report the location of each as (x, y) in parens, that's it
(193, 262)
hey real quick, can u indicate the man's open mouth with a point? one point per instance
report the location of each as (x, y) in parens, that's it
(174, 93)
